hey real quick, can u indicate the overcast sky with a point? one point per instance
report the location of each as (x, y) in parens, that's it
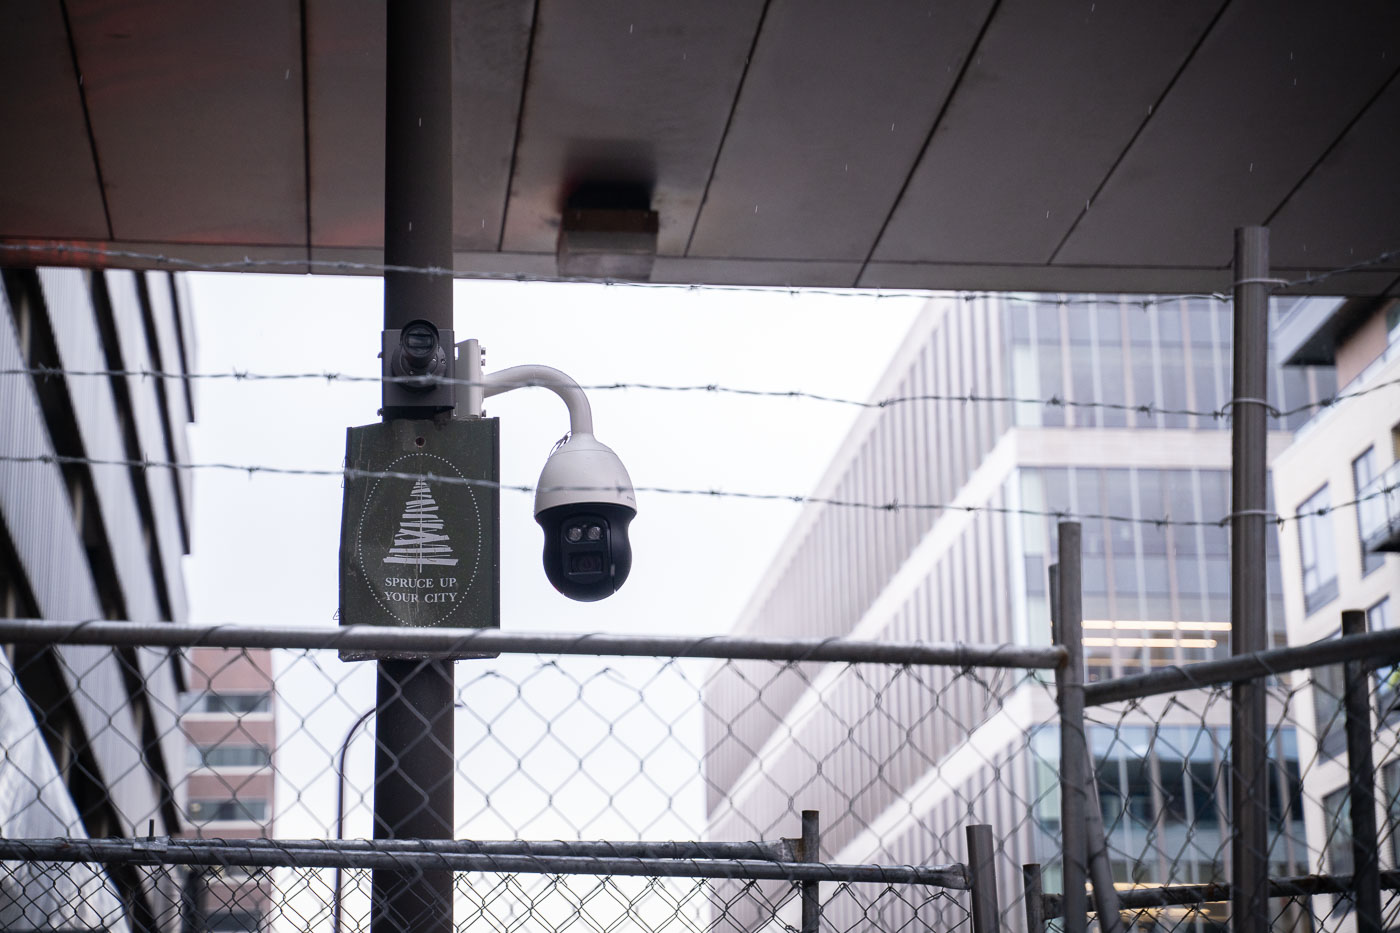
(265, 547)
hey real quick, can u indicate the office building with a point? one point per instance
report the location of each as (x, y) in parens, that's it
(1108, 409)
(92, 745)
(1343, 553)
(230, 724)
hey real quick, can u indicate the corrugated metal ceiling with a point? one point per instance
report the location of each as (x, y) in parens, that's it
(1019, 144)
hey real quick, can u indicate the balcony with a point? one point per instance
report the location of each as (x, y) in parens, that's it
(1379, 511)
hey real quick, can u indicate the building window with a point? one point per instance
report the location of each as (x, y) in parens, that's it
(236, 704)
(224, 810)
(1329, 722)
(1387, 678)
(1390, 787)
(1363, 473)
(229, 756)
(1337, 809)
(1315, 547)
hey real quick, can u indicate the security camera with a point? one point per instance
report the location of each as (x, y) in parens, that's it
(584, 502)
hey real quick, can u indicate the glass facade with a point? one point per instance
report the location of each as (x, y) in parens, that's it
(236, 704)
(1153, 594)
(1156, 592)
(1364, 470)
(1117, 364)
(1318, 560)
(1164, 793)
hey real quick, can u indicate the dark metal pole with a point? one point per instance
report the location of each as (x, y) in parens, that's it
(982, 869)
(1096, 839)
(337, 885)
(1249, 773)
(413, 772)
(418, 162)
(1366, 868)
(413, 762)
(1035, 897)
(1074, 751)
(811, 852)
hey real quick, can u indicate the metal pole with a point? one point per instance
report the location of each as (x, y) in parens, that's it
(1249, 775)
(413, 774)
(336, 886)
(1035, 897)
(1106, 904)
(196, 889)
(1074, 752)
(1100, 869)
(413, 762)
(322, 853)
(982, 867)
(1366, 869)
(463, 641)
(811, 852)
(418, 162)
(1373, 649)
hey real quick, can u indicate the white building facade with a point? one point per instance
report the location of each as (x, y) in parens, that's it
(1103, 408)
(1342, 555)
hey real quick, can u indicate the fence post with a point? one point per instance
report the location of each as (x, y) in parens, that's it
(1249, 767)
(1096, 838)
(1366, 877)
(1035, 897)
(1074, 752)
(811, 852)
(982, 871)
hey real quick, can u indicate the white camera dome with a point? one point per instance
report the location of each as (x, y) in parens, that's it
(582, 470)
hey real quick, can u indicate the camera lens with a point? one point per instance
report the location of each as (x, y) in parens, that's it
(575, 533)
(595, 532)
(586, 563)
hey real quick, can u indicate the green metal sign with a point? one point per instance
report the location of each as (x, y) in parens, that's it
(419, 536)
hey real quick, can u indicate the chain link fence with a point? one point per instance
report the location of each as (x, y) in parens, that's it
(665, 785)
(607, 783)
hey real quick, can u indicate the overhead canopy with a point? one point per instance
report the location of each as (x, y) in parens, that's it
(1020, 144)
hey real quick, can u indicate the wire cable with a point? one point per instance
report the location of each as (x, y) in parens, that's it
(248, 264)
(1054, 401)
(892, 506)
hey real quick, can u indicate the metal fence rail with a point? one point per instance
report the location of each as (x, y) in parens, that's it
(646, 742)
(601, 781)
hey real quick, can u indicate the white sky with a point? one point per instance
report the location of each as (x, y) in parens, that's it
(265, 547)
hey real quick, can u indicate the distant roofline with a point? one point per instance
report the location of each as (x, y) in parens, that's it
(1310, 332)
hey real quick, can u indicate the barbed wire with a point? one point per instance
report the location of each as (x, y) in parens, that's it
(249, 264)
(1054, 401)
(798, 498)
(1379, 259)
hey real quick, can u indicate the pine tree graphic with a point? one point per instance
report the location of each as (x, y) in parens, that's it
(420, 539)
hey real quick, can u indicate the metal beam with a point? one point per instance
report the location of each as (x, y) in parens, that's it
(317, 853)
(1376, 649)
(449, 641)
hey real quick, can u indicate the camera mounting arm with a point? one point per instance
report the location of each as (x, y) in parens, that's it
(584, 501)
(545, 377)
